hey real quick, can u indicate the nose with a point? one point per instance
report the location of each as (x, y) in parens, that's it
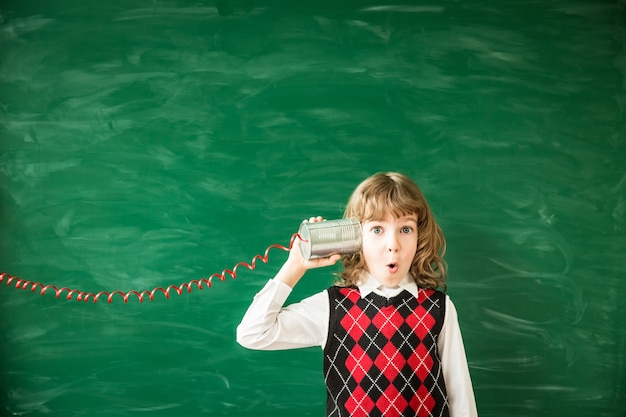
(393, 245)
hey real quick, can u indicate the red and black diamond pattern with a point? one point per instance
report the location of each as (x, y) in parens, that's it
(381, 356)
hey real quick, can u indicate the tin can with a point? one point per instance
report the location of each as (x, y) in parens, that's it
(322, 239)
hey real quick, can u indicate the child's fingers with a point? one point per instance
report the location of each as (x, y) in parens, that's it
(321, 262)
(315, 219)
(333, 259)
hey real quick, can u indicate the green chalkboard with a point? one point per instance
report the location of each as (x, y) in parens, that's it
(151, 143)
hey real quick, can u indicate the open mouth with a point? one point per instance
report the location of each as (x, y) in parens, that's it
(392, 267)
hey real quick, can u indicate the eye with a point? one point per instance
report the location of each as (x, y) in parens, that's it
(406, 229)
(377, 230)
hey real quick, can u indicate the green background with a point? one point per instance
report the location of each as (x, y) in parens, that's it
(148, 143)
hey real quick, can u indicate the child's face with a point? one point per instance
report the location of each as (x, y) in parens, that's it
(389, 246)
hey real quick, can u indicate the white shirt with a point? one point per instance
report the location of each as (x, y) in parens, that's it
(267, 325)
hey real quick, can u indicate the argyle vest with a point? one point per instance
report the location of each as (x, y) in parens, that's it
(381, 356)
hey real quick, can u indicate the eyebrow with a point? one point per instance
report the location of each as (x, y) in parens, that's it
(402, 219)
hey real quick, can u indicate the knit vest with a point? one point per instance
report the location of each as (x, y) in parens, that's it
(381, 356)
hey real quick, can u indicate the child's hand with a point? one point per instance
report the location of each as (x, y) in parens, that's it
(311, 263)
(295, 266)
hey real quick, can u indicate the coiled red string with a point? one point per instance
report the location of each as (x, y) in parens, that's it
(141, 295)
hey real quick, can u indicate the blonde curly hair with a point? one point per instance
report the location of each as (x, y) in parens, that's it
(395, 193)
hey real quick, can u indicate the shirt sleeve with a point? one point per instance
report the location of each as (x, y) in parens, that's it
(454, 365)
(267, 325)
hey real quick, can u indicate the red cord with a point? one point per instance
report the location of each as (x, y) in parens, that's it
(86, 296)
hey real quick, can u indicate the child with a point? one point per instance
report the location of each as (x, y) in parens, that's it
(392, 344)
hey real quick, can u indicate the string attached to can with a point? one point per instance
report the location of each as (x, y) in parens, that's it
(142, 295)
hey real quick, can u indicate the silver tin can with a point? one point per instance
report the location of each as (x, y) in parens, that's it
(322, 239)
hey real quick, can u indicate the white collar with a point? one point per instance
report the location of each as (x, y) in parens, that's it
(371, 284)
